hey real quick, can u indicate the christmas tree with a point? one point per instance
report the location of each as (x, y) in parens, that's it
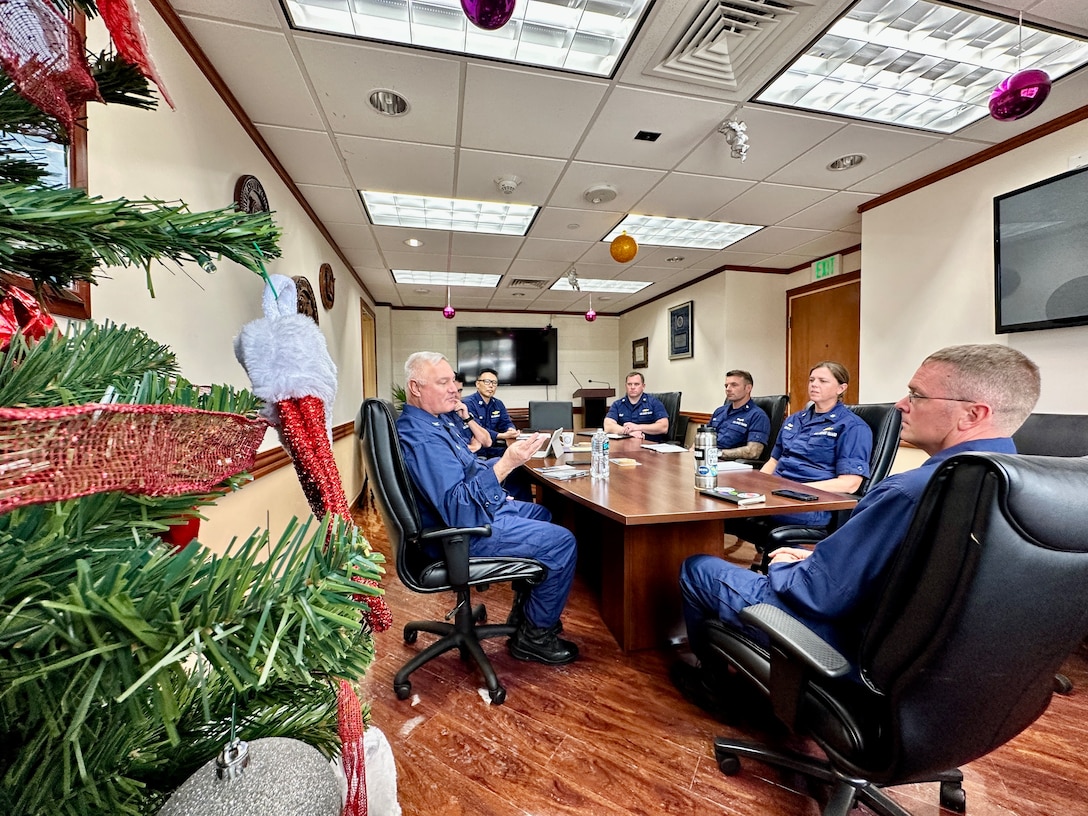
(125, 663)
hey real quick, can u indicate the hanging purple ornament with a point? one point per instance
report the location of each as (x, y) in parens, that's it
(1018, 95)
(488, 14)
(591, 315)
(449, 312)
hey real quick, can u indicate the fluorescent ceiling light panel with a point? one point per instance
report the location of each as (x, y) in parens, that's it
(459, 215)
(650, 230)
(600, 285)
(416, 276)
(917, 64)
(582, 36)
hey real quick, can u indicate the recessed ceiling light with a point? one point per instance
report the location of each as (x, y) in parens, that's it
(603, 298)
(674, 259)
(917, 64)
(419, 290)
(585, 38)
(846, 162)
(599, 285)
(681, 232)
(517, 294)
(413, 242)
(573, 226)
(445, 278)
(456, 214)
(388, 103)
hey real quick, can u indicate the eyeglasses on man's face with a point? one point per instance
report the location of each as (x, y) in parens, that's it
(914, 396)
(487, 382)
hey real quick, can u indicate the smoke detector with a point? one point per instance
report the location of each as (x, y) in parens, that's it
(507, 184)
(600, 194)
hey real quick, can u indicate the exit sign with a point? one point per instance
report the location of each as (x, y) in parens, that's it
(826, 267)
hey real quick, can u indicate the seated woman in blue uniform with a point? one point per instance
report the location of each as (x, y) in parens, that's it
(825, 445)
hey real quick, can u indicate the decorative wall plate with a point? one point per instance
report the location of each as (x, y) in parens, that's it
(307, 303)
(327, 284)
(249, 195)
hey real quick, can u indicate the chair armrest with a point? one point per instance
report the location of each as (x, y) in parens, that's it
(455, 549)
(797, 654)
(795, 535)
(796, 640)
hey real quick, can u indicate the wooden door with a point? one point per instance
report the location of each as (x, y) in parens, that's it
(369, 351)
(824, 324)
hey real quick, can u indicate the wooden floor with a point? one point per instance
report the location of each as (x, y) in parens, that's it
(609, 734)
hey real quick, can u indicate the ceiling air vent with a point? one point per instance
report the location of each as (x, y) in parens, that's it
(527, 283)
(728, 39)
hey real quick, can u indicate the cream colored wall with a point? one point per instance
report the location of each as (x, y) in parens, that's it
(928, 277)
(195, 154)
(586, 349)
(740, 322)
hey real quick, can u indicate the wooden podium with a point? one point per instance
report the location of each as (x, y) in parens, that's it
(593, 405)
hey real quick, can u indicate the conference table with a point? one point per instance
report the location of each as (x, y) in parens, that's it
(635, 529)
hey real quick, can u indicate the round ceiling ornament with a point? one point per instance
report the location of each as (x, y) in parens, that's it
(327, 285)
(624, 248)
(307, 303)
(488, 14)
(1020, 94)
(249, 195)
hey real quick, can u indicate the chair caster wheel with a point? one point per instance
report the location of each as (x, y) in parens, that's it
(410, 635)
(1062, 684)
(402, 690)
(953, 797)
(464, 653)
(498, 695)
(480, 614)
(728, 764)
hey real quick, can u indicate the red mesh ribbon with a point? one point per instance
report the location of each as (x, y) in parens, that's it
(51, 454)
(20, 312)
(123, 22)
(349, 716)
(44, 56)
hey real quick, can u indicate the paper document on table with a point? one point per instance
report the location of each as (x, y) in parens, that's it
(727, 465)
(665, 447)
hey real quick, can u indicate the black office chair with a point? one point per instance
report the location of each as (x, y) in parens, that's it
(671, 401)
(976, 612)
(1054, 435)
(548, 416)
(774, 407)
(767, 536)
(457, 572)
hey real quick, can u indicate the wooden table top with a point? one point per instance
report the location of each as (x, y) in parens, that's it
(661, 489)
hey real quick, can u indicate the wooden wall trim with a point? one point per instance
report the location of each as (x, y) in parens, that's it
(274, 458)
(1045, 129)
(189, 43)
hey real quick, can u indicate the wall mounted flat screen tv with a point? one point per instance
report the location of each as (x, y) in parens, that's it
(521, 356)
(1041, 255)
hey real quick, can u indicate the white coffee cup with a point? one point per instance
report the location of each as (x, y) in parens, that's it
(567, 438)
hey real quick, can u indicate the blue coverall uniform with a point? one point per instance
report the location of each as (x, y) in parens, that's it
(493, 418)
(459, 491)
(646, 411)
(737, 427)
(832, 591)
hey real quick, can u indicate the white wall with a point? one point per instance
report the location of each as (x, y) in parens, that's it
(927, 277)
(586, 349)
(195, 154)
(740, 322)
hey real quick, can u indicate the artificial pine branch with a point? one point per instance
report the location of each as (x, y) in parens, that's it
(122, 233)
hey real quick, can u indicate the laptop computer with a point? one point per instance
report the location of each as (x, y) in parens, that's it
(554, 446)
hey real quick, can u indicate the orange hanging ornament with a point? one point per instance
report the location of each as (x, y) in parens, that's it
(624, 248)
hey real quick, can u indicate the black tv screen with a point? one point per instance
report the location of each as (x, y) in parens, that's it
(521, 356)
(1041, 255)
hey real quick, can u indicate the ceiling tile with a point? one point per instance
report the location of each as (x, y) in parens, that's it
(395, 167)
(478, 170)
(940, 155)
(309, 156)
(767, 204)
(682, 195)
(630, 183)
(559, 223)
(775, 239)
(333, 203)
(547, 249)
(835, 212)
(351, 235)
(485, 246)
(257, 12)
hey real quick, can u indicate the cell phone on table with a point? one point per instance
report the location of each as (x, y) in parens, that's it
(795, 494)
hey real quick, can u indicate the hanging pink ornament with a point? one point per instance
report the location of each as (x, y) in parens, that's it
(449, 312)
(1018, 95)
(488, 14)
(591, 315)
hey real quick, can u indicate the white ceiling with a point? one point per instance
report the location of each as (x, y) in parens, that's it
(472, 120)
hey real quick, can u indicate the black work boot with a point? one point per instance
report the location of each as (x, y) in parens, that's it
(542, 645)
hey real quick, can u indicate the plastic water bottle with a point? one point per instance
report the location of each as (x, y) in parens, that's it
(706, 458)
(599, 467)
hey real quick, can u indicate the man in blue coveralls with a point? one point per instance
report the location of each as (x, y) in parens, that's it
(743, 427)
(490, 413)
(639, 415)
(962, 398)
(459, 491)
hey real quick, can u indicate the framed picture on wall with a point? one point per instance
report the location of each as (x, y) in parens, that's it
(640, 352)
(680, 336)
